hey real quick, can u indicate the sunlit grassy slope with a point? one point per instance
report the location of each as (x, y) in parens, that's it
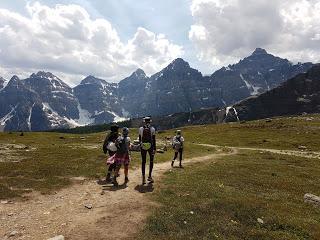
(51, 159)
(250, 195)
(227, 198)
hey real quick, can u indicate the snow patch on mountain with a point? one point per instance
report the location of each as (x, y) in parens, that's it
(29, 117)
(117, 118)
(64, 92)
(5, 83)
(125, 113)
(234, 110)
(253, 89)
(84, 117)
(7, 117)
(53, 117)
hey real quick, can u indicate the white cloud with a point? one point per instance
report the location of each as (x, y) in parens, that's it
(66, 39)
(153, 50)
(226, 30)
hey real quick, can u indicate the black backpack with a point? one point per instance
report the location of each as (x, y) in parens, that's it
(146, 135)
(122, 147)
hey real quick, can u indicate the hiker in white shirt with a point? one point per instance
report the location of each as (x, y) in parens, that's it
(177, 144)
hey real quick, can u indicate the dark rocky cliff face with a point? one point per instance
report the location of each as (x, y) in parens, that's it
(300, 94)
(253, 75)
(38, 103)
(16, 102)
(55, 93)
(2, 82)
(99, 98)
(177, 88)
(131, 93)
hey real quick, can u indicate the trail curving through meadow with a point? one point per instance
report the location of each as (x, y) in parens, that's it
(116, 213)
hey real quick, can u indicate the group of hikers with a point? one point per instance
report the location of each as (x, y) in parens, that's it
(118, 147)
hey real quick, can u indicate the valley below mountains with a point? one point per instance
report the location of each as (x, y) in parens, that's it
(45, 102)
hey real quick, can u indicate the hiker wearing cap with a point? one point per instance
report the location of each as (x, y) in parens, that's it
(147, 139)
(122, 156)
(177, 144)
(110, 148)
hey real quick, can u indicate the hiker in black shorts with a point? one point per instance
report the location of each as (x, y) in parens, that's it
(147, 139)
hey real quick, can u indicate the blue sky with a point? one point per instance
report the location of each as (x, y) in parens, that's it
(111, 38)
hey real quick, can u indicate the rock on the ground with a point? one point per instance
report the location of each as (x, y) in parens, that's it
(60, 237)
(260, 220)
(13, 233)
(78, 179)
(160, 151)
(89, 206)
(302, 147)
(310, 198)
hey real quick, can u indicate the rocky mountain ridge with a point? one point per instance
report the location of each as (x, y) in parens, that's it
(2, 82)
(298, 95)
(44, 102)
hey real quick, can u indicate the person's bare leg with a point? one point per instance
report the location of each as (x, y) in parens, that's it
(116, 172)
(126, 172)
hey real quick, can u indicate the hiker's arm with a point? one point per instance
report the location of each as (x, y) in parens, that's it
(154, 142)
(105, 144)
(140, 138)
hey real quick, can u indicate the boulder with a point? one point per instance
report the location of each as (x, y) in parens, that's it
(313, 199)
(60, 237)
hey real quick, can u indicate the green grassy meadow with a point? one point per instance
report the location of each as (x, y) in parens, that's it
(47, 161)
(250, 195)
(225, 199)
(281, 133)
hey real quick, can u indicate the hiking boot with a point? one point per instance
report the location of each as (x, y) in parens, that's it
(150, 180)
(126, 180)
(115, 182)
(143, 180)
(172, 163)
(108, 178)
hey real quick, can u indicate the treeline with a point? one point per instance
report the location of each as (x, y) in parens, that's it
(92, 128)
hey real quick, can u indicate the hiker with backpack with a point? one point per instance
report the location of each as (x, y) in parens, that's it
(110, 148)
(177, 144)
(122, 156)
(147, 139)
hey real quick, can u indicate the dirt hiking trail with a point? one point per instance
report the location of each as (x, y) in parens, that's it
(301, 153)
(86, 210)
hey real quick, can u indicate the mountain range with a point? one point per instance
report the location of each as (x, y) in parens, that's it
(44, 102)
(299, 95)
